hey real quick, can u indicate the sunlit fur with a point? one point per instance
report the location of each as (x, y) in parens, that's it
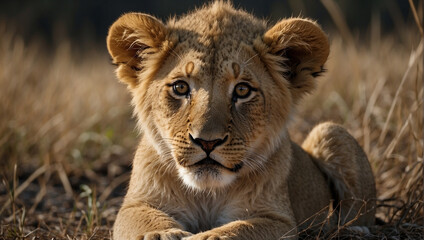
(261, 184)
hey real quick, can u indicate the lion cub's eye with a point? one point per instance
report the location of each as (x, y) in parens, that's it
(181, 88)
(242, 90)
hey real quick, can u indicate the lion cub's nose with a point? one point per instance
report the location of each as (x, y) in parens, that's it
(208, 145)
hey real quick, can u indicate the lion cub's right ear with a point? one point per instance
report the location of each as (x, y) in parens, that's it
(131, 39)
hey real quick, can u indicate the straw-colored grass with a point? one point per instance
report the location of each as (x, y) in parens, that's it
(63, 117)
(65, 121)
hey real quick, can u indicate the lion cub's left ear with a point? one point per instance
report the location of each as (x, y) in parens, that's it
(304, 49)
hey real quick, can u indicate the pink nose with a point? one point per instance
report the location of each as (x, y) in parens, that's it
(208, 145)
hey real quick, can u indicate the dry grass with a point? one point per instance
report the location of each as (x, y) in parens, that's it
(65, 121)
(66, 125)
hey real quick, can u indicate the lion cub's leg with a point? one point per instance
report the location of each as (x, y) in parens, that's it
(341, 158)
(141, 222)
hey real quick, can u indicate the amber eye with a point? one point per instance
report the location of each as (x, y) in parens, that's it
(181, 88)
(242, 90)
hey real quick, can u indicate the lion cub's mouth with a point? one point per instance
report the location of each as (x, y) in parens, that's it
(211, 162)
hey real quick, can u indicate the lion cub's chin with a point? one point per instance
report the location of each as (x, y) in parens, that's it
(206, 177)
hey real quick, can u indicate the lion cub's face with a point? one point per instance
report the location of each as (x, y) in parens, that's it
(212, 115)
(213, 90)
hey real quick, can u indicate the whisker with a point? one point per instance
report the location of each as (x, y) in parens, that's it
(176, 54)
(246, 63)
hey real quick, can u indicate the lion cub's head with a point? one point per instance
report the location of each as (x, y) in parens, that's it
(213, 90)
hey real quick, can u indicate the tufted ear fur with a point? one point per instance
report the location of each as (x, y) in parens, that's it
(302, 48)
(131, 39)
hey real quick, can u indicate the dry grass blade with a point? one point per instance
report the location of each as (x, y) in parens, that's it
(115, 183)
(396, 140)
(64, 179)
(25, 184)
(416, 18)
(369, 109)
(337, 16)
(415, 55)
(39, 197)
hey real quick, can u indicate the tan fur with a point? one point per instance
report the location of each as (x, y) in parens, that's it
(265, 186)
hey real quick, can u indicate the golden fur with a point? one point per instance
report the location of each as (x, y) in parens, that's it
(217, 161)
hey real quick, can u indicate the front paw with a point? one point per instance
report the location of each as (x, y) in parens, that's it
(206, 236)
(169, 234)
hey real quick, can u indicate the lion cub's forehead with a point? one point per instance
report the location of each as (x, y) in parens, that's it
(221, 63)
(225, 70)
(211, 40)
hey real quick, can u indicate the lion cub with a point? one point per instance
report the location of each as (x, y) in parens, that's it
(213, 91)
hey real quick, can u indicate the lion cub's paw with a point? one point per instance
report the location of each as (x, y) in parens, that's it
(169, 234)
(206, 236)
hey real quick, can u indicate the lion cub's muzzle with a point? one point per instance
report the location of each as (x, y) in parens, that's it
(208, 146)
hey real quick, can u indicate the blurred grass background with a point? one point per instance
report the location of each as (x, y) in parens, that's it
(67, 134)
